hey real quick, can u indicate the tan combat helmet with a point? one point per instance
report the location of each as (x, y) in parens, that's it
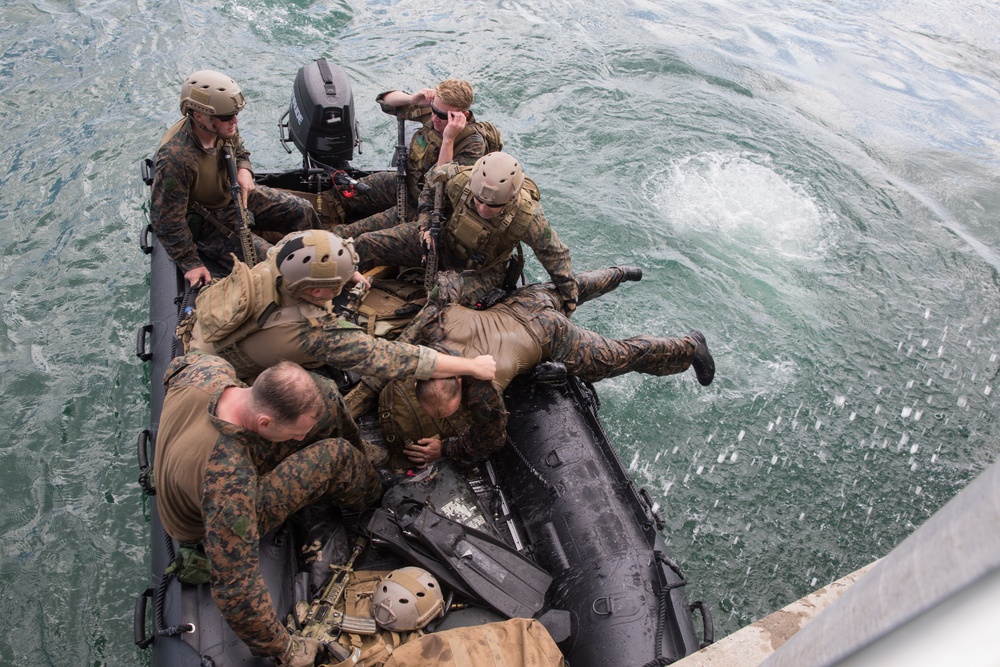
(212, 93)
(313, 258)
(407, 599)
(496, 179)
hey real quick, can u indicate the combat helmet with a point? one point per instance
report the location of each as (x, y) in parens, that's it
(313, 258)
(496, 178)
(210, 92)
(407, 599)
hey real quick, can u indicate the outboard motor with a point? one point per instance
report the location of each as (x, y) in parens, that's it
(320, 118)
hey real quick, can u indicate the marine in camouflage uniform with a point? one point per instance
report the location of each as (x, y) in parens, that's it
(456, 134)
(477, 239)
(223, 485)
(188, 176)
(526, 329)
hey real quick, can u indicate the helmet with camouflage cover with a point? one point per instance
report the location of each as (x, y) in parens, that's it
(313, 258)
(496, 178)
(210, 92)
(407, 599)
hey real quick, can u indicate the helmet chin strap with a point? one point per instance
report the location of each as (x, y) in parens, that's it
(210, 130)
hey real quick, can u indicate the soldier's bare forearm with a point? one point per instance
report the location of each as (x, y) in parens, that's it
(483, 367)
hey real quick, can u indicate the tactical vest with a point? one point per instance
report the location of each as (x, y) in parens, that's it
(389, 306)
(480, 244)
(403, 420)
(247, 303)
(210, 187)
(424, 151)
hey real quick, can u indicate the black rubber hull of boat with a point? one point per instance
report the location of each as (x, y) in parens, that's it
(591, 529)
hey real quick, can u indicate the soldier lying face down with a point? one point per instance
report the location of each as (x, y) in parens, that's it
(464, 418)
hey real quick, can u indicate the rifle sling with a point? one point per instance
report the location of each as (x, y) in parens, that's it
(208, 215)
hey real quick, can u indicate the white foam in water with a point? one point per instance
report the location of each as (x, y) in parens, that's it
(745, 200)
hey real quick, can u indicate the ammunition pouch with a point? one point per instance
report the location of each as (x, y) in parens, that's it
(191, 566)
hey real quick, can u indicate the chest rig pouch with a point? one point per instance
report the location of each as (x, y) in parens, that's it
(424, 151)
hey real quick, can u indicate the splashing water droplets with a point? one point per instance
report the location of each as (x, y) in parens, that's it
(742, 198)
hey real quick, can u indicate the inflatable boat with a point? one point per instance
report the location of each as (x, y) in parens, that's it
(556, 497)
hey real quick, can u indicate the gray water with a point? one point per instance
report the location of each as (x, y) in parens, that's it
(814, 185)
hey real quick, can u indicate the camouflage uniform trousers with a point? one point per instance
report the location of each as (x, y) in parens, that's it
(588, 354)
(401, 246)
(274, 215)
(374, 210)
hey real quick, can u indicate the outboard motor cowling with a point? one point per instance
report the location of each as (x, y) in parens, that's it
(320, 117)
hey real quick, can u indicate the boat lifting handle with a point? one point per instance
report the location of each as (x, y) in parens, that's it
(140, 342)
(605, 603)
(145, 470)
(708, 627)
(139, 620)
(144, 243)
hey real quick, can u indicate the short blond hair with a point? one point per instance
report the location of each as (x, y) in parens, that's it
(456, 92)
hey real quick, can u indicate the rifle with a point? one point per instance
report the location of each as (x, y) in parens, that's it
(431, 252)
(402, 155)
(324, 622)
(242, 217)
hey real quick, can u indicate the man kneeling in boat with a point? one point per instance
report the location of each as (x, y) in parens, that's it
(282, 310)
(525, 329)
(234, 462)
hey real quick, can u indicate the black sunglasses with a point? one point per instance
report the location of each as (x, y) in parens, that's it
(225, 119)
(443, 115)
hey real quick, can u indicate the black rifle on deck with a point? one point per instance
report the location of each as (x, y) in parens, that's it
(431, 248)
(242, 217)
(402, 155)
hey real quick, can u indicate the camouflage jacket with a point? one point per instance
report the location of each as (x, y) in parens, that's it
(230, 491)
(183, 173)
(343, 345)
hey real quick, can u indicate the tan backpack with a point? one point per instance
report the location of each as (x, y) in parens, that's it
(519, 642)
(491, 136)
